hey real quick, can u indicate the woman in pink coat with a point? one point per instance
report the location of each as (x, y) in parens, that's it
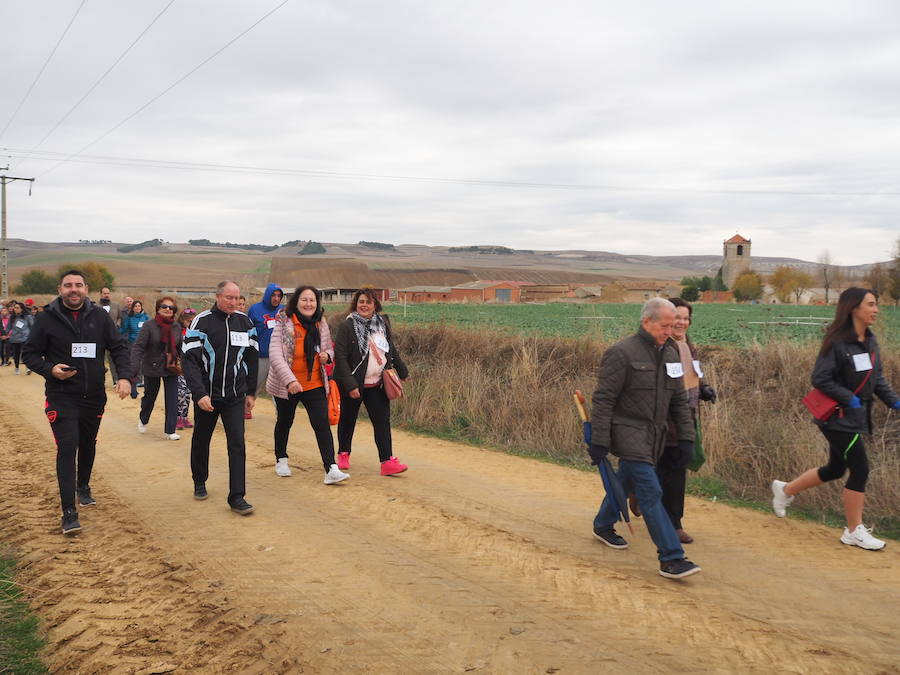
(299, 350)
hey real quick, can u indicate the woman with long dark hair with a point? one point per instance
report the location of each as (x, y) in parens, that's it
(22, 322)
(849, 370)
(364, 347)
(158, 343)
(299, 350)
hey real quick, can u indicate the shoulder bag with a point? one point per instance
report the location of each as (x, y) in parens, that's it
(823, 406)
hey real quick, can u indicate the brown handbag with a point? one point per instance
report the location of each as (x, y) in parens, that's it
(390, 380)
(173, 363)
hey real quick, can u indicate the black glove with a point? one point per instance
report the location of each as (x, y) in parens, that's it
(598, 453)
(707, 393)
(685, 453)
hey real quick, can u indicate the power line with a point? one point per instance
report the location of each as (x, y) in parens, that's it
(170, 87)
(103, 76)
(43, 68)
(137, 162)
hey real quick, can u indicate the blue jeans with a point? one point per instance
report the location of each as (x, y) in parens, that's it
(640, 478)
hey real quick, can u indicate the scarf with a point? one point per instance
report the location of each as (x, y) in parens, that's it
(312, 339)
(166, 334)
(363, 327)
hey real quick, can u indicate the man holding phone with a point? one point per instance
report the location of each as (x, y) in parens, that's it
(67, 347)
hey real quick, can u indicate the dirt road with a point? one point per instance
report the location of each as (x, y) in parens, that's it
(472, 561)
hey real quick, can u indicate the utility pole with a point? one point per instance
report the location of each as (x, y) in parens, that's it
(4, 289)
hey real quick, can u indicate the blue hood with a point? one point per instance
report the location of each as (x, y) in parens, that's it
(260, 313)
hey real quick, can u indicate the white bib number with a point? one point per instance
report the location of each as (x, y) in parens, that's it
(20, 324)
(270, 323)
(107, 308)
(697, 368)
(141, 324)
(381, 342)
(84, 350)
(240, 339)
(862, 362)
(674, 370)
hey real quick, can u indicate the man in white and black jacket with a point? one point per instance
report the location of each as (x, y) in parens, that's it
(220, 363)
(67, 346)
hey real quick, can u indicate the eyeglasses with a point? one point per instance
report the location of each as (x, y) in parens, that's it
(173, 308)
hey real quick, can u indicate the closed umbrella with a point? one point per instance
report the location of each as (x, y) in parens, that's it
(614, 490)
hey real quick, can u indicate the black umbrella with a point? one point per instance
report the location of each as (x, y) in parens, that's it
(614, 490)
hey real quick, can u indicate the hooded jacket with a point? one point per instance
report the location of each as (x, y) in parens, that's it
(20, 327)
(262, 314)
(220, 356)
(51, 340)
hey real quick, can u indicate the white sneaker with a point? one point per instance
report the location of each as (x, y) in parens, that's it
(780, 501)
(335, 475)
(17, 372)
(173, 437)
(282, 468)
(862, 537)
(142, 428)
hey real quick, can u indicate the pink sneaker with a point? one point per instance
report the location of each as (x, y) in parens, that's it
(248, 415)
(179, 424)
(392, 466)
(188, 424)
(343, 461)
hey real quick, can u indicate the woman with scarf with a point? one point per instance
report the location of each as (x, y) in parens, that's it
(158, 345)
(299, 350)
(363, 349)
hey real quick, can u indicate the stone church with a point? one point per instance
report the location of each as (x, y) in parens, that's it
(735, 259)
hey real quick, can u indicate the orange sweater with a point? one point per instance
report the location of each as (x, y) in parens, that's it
(298, 365)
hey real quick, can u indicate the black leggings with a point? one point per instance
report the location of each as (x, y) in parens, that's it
(379, 409)
(672, 472)
(16, 349)
(170, 395)
(846, 451)
(317, 410)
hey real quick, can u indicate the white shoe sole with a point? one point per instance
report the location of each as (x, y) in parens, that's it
(688, 573)
(858, 544)
(618, 547)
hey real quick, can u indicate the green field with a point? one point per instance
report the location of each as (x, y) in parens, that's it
(713, 324)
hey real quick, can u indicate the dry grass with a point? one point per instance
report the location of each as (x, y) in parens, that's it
(515, 393)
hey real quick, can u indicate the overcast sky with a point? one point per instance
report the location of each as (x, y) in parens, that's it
(653, 127)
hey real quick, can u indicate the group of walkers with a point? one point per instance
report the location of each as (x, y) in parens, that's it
(218, 358)
(16, 320)
(645, 407)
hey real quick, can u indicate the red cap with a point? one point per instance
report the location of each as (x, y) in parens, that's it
(29, 302)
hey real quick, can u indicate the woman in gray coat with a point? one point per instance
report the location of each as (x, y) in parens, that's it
(19, 330)
(157, 339)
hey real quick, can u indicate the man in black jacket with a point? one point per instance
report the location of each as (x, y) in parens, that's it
(67, 346)
(220, 365)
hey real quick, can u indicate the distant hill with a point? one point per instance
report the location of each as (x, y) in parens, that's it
(180, 265)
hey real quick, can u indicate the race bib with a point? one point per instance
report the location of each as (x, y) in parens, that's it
(20, 324)
(141, 324)
(697, 368)
(107, 308)
(240, 339)
(674, 370)
(381, 342)
(84, 350)
(862, 362)
(270, 323)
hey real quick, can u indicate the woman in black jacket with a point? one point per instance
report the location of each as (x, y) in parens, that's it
(155, 340)
(363, 348)
(849, 370)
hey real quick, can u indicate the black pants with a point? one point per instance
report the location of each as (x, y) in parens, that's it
(75, 421)
(846, 451)
(232, 414)
(672, 471)
(379, 408)
(4, 351)
(317, 410)
(16, 349)
(170, 395)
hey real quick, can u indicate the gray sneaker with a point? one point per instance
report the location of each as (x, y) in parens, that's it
(84, 496)
(678, 569)
(200, 491)
(610, 538)
(70, 524)
(241, 506)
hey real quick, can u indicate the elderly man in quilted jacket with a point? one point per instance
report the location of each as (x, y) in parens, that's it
(640, 386)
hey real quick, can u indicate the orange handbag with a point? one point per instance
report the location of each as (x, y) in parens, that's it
(334, 403)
